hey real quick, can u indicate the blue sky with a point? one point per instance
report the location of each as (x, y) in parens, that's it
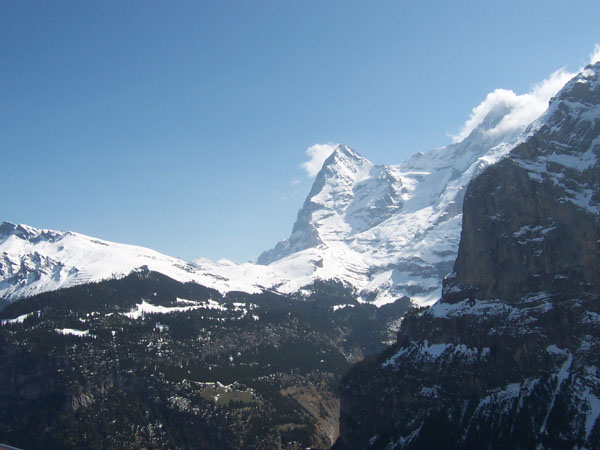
(182, 126)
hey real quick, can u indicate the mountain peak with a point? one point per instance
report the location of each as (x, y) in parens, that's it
(343, 157)
(345, 151)
(586, 78)
(7, 228)
(24, 232)
(546, 194)
(567, 134)
(380, 227)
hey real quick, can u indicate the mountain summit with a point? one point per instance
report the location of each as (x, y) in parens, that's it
(390, 231)
(321, 218)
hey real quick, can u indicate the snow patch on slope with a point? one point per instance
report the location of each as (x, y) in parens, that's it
(147, 308)
(73, 332)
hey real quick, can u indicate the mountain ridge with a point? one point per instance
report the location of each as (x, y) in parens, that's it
(37, 260)
(392, 231)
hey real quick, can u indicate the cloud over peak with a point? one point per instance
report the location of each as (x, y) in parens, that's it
(595, 56)
(518, 110)
(317, 155)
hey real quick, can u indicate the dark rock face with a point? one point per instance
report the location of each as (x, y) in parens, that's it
(509, 357)
(531, 221)
(517, 238)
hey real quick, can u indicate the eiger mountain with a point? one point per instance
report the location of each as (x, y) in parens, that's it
(390, 231)
(386, 231)
(509, 357)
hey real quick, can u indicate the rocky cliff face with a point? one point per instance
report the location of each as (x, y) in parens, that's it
(509, 357)
(533, 217)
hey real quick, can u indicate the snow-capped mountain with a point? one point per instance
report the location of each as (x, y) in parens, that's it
(389, 230)
(34, 260)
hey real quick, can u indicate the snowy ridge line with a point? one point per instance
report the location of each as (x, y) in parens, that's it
(35, 260)
(432, 352)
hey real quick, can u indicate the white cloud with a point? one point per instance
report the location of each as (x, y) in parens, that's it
(493, 101)
(522, 109)
(317, 154)
(595, 56)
